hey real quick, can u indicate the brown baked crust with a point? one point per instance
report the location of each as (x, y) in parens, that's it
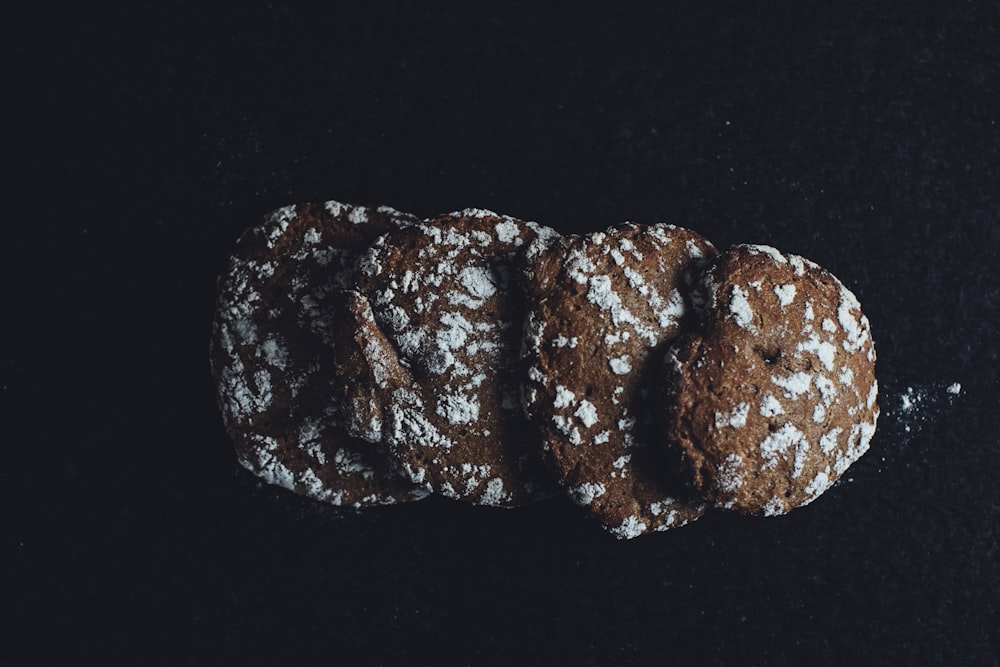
(600, 306)
(775, 396)
(273, 360)
(431, 368)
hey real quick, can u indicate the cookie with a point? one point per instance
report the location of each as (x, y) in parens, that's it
(602, 308)
(431, 365)
(775, 397)
(273, 360)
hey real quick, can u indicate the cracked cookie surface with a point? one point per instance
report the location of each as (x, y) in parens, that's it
(776, 396)
(431, 368)
(600, 307)
(272, 353)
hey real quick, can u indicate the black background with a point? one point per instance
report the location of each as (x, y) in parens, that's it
(140, 142)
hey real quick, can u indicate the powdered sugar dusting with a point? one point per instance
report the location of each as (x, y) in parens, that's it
(587, 413)
(776, 444)
(494, 493)
(730, 475)
(770, 251)
(785, 294)
(459, 408)
(735, 419)
(630, 528)
(770, 406)
(584, 494)
(628, 287)
(620, 365)
(564, 397)
(273, 307)
(794, 385)
(441, 290)
(507, 231)
(478, 282)
(774, 507)
(820, 483)
(739, 309)
(918, 404)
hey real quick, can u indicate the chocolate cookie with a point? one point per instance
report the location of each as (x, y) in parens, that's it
(431, 365)
(776, 396)
(273, 360)
(600, 306)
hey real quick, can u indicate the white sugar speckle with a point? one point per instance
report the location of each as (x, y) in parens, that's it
(855, 333)
(630, 527)
(587, 413)
(275, 353)
(909, 399)
(740, 309)
(601, 293)
(778, 443)
(794, 385)
(579, 266)
(494, 493)
(828, 441)
(263, 381)
(826, 389)
(823, 350)
(278, 474)
(534, 327)
(799, 264)
(729, 475)
(801, 452)
(507, 231)
(736, 419)
(659, 232)
(819, 484)
(311, 237)
(620, 365)
(477, 281)
(785, 294)
(615, 338)
(280, 219)
(458, 408)
(358, 216)
(770, 251)
(335, 208)
(564, 397)
(774, 507)
(954, 389)
(585, 493)
(770, 406)
(566, 427)
(562, 341)
(406, 423)
(348, 462)
(477, 213)
(808, 314)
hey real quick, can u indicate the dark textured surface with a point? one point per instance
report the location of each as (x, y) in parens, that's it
(138, 144)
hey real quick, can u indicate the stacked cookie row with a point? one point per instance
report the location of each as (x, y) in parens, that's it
(365, 357)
